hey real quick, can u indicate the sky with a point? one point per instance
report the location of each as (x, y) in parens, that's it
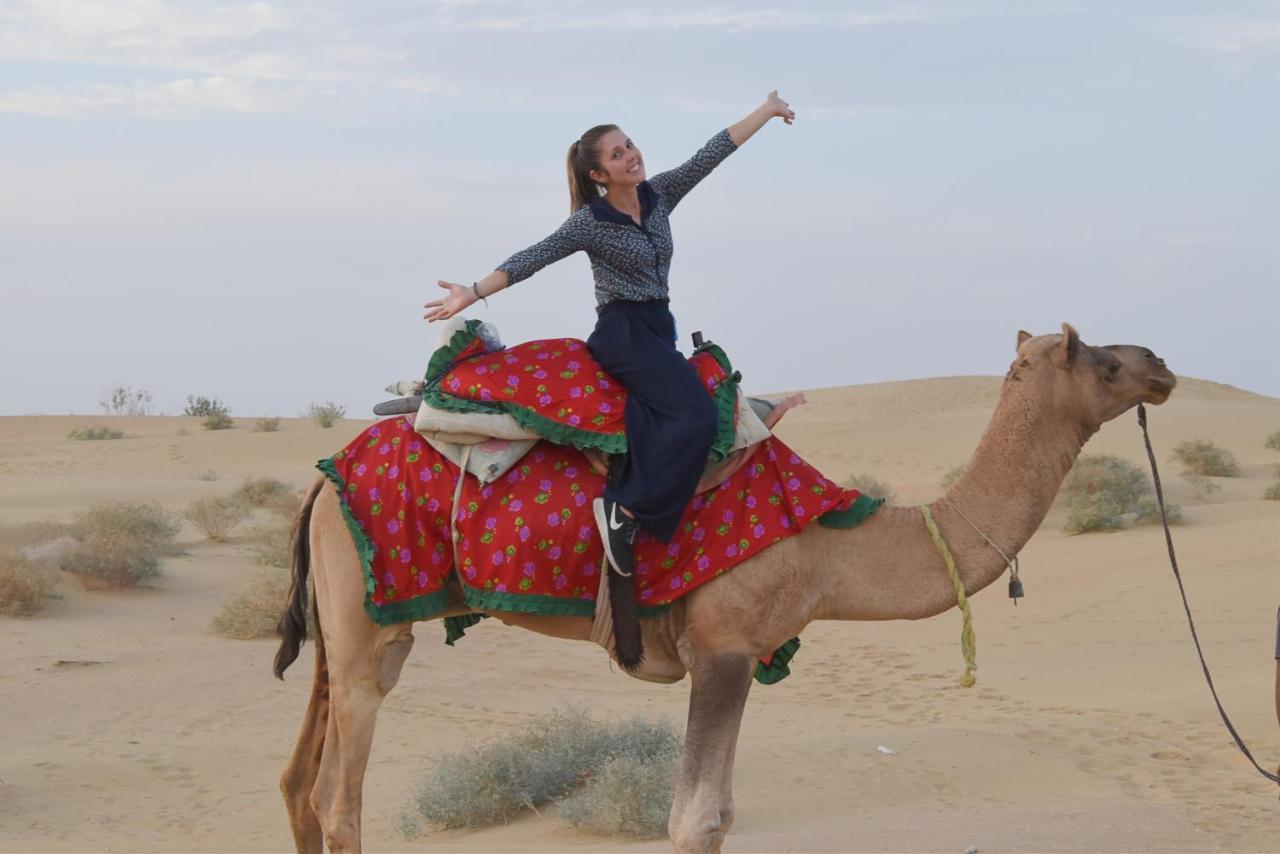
(252, 201)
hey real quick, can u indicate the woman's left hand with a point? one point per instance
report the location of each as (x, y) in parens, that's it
(775, 106)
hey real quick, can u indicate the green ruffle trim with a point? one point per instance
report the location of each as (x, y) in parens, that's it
(854, 515)
(456, 627)
(526, 603)
(417, 608)
(725, 399)
(777, 669)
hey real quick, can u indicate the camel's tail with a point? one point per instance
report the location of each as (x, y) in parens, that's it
(293, 622)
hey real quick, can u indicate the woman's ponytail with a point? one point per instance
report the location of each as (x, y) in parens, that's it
(584, 157)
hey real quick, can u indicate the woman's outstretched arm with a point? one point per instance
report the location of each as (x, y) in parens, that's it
(772, 106)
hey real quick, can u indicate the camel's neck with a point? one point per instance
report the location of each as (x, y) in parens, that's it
(1006, 491)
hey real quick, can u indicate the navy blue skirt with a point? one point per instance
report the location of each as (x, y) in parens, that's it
(670, 418)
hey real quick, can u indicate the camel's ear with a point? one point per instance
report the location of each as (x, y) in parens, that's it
(1023, 335)
(1065, 353)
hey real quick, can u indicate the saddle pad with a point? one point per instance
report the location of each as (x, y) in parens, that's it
(529, 543)
(555, 389)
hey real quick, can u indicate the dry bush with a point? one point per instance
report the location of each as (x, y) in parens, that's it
(325, 414)
(629, 797)
(1201, 485)
(871, 486)
(255, 612)
(1273, 441)
(286, 506)
(217, 421)
(94, 433)
(952, 477)
(1272, 492)
(125, 400)
(266, 425)
(262, 491)
(119, 544)
(215, 517)
(208, 475)
(1103, 492)
(1200, 456)
(27, 534)
(273, 542)
(549, 759)
(25, 587)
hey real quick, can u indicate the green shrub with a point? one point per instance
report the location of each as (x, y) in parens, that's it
(215, 517)
(119, 544)
(1273, 441)
(1201, 485)
(548, 760)
(255, 612)
(1200, 456)
(326, 414)
(871, 486)
(266, 425)
(95, 433)
(1148, 512)
(629, 797)
(25, 587)
(952, 477)
(1101, 491)
(217, 421)
(124, 400)
(262, 491)
(202, 406)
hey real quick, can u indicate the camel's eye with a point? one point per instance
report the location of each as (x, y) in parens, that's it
(1113, 370)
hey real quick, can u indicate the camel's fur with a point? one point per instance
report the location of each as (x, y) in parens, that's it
(1058, 392)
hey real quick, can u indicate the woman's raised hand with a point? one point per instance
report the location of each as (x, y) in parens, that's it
(778, 107)
(460, 296)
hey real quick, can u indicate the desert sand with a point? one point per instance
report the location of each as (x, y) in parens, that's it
(126, 724)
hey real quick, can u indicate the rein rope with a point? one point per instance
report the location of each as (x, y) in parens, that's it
(968, 645)
(1173, 560)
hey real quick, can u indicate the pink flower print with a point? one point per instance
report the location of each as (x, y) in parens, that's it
(826, 502)
(525, 533)
(584, 533)
(731, 550)
(487, 492)
(785, 521)
(529, 568)
(375, 494)
(392, 526)
(393, 472)
(704, 562)
(415, 445)
(539, 455)
(513, 476)
(800, 510)
(793, 483)
(758, 530)
(501, 588)
(544, 355)
(604, 384)
(422, 579)
(388, 579)
(540, 374)
(642, 568)
(573, 345)
(513, 381)
(424, 475)
(727, 516)
(544, 485)
(485, 394)
(482, 369)
(384, 449)
(544, 399)
(490, 524)
(404, 423)
(699, 502)
(776, 488)
(711, 382)
(498, 558)
(436, 559)
(773, 455)
(509, 359)
(553, 520)
(751, 501)
(561, 581)
(361, 469)
(699, 534)
(572, 365)
(579, 498)
(454, 384)
(605, 407)
(575, 392)
(375, 431)
(570, 471)
(554, 552)
(433, 505)
(405, 557)
(675, 583)
(574, 420)
(673, 549)
(795, 460)
(515, 505)
(471, 573)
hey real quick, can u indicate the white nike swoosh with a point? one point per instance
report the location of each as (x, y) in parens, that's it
(614, 525)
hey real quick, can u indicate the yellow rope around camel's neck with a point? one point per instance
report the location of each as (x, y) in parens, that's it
(967, 644)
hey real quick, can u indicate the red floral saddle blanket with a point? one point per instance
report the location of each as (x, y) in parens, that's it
(556, 389)
(528, 542)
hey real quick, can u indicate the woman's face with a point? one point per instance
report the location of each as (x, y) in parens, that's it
(620, 160)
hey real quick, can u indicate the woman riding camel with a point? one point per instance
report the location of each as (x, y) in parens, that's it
(670, 418)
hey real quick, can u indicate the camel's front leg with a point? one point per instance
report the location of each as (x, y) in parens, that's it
(703, 806)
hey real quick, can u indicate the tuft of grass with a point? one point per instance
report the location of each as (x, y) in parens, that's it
(25, 586)
(208, 475)
(217, 421)
(262, 491)
(326, 414)
(94, 433)
(551, 758)
(1103, 492)
(629, 797)
(871, 486)
(119, 544)
(1273, 441)
(1200, 456)
(266, 425)
(1201, 485)
(952, 476)
(255, 611)
(215, 517)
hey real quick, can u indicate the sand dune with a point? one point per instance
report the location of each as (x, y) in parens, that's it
(128, 725)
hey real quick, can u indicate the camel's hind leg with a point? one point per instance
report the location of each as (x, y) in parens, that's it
(364, 663)
(304, 766)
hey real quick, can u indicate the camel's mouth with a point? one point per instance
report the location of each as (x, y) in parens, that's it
(1159, 388)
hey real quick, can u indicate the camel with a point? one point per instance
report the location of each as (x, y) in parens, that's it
(1057, 393)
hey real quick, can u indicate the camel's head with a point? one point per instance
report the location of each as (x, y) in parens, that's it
(1097, 383)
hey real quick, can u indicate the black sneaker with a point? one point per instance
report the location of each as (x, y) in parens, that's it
(618, 532)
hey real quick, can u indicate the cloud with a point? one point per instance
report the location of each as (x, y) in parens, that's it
(539, 17)
(180, 98)
(1231, 34)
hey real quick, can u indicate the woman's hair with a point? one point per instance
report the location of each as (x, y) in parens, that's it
(584, 156)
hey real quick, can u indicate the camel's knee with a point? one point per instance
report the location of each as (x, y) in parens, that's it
(391, 658)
